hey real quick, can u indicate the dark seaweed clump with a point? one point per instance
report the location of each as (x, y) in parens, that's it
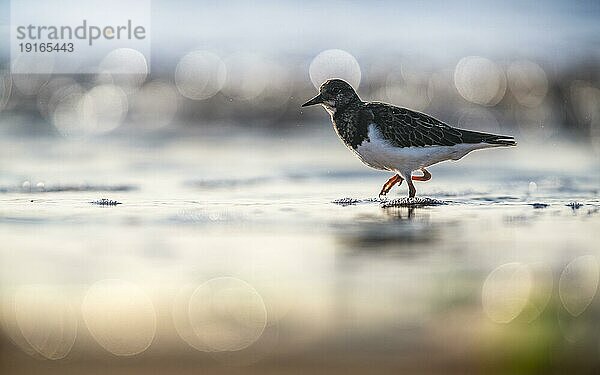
(346, 201)
(412, 202)
(105, 202)
(539, 205)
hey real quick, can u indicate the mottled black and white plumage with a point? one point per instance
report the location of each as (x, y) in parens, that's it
(397, 139)
(406, 128)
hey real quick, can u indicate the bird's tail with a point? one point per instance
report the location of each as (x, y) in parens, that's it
(469, 136)
(501, 140)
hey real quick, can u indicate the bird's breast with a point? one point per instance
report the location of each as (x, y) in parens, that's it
(375, 151)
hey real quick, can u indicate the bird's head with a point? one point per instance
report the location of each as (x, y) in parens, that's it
(334, 94)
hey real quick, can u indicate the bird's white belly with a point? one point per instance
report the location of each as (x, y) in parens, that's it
(378, 153)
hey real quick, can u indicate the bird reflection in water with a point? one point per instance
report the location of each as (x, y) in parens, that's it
(401, 231)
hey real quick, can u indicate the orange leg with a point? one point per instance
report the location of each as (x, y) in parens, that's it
(395, 179)
(426, 176)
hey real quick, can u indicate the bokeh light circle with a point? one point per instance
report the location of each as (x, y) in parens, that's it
(105, 107)
(48, 90)
(527, 82)
(335, 63)
(46, 320)
(200, 75)
(181, 319)
(58, 95)
(247, 76)
(126, 67)
(27, 83)
(578, 284)
(506, 292)
(5, 88)
(154, 105)
(227, 314)
(68, 115)
(120, 317)
(10, 326)
(480, 80)
(541, 292)
(79, 114)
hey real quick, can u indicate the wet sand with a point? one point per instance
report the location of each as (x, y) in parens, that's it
(250, 254)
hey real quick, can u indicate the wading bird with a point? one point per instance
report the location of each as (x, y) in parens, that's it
(396, 139)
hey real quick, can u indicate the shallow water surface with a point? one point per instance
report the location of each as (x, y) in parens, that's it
(273, 254)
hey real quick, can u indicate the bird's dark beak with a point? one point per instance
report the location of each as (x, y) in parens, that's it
(316, 100)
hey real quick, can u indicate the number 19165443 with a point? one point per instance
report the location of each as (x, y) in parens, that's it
(46, 47)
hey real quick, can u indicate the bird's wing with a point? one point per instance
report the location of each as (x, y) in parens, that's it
(407, 128)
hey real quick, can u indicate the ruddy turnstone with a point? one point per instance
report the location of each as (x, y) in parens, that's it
(396, 139)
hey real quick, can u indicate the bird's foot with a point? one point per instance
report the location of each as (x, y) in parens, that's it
(395, 179)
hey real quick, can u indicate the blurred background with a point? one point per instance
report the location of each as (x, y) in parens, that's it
(528, 67)
(238, 235)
